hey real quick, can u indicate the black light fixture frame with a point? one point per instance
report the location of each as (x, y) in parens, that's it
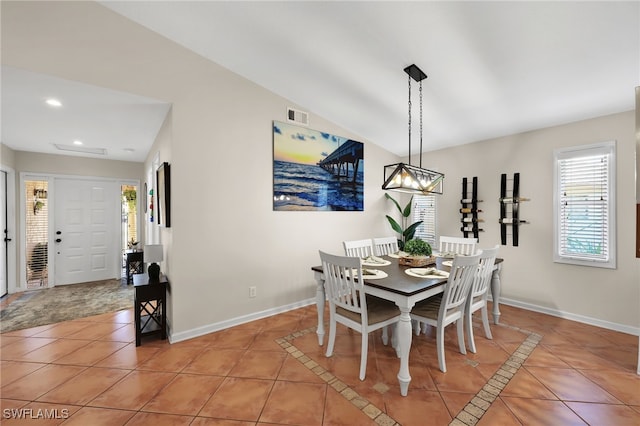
(424, 181)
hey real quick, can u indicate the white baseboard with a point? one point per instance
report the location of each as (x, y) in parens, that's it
(210, 328)
(573, 317)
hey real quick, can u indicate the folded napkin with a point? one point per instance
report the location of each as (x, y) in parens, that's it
(429, 271)
(369, 272)
(373, 259)
(447, 254)
(425, 271)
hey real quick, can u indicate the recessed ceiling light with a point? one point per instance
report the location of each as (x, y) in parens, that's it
(77, 142)
(54, 102)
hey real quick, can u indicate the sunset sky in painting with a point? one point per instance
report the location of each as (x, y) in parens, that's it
(296, 144)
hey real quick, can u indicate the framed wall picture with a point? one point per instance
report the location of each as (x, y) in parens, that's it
(163, 177)
(316, 171)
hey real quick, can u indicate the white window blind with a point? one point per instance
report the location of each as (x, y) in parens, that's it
(584, 216)
(424, 208)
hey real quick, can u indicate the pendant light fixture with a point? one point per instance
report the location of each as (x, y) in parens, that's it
(405, 177)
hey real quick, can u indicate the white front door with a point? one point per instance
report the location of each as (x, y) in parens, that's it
(86, 231)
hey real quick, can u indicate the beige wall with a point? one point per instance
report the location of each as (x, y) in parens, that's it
(34, 162)
(161, 152)
(7, 156)
(529, 275)
(225, 236)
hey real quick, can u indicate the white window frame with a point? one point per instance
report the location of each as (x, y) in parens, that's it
(599, 149)
(430, 221)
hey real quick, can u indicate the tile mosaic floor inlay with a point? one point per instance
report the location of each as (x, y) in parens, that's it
(468, 416)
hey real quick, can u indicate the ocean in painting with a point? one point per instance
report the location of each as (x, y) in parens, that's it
(309, 187)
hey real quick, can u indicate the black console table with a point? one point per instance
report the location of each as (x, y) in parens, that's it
(150, 306)
(134, 263)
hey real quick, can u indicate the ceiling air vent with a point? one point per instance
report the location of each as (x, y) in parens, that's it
(296, 116)
(73, 148)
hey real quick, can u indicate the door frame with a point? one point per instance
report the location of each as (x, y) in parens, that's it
(50, 178)
(13, 229)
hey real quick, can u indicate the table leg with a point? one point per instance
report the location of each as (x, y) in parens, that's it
(320, 298)
(495, 292)
(404, 346)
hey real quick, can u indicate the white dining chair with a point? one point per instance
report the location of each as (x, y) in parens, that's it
(477, 299)
(358, 248)
(442, 310)
(458, 245)
(349, 304)
(385, 246)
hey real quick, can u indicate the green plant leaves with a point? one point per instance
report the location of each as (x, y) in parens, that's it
(408, 233)
(411, 230)
(407, 208)
(395, 225)
(389, 197)
(417, 247)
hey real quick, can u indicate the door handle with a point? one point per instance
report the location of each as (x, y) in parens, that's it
(6, 240)
(58, 240)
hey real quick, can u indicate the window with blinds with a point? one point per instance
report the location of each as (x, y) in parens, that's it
(424, 208)
(584, 200)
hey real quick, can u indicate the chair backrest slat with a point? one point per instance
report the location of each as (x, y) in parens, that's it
(358, 248)
(458, 245)
(456, 290)
(341, 284)
(485, 270)
(385, 246)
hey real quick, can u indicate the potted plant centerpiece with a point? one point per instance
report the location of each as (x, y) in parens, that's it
(419, 253)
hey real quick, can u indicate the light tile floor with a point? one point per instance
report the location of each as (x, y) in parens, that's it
(538, 370)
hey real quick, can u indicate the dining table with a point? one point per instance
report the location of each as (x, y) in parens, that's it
(405, 290)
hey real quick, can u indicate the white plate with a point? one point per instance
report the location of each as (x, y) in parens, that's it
(375, 261)
(426, 273)
(378, 274)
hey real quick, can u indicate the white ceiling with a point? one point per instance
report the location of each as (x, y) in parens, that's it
(123, 124)
(495, 68)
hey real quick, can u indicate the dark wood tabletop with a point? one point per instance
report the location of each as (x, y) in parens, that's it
(397, 280)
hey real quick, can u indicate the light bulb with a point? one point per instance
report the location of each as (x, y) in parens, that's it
(53, 102)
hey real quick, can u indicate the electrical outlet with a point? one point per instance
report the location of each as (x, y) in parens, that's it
(252, 292)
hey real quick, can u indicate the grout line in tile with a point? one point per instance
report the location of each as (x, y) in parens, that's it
(481, 402)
